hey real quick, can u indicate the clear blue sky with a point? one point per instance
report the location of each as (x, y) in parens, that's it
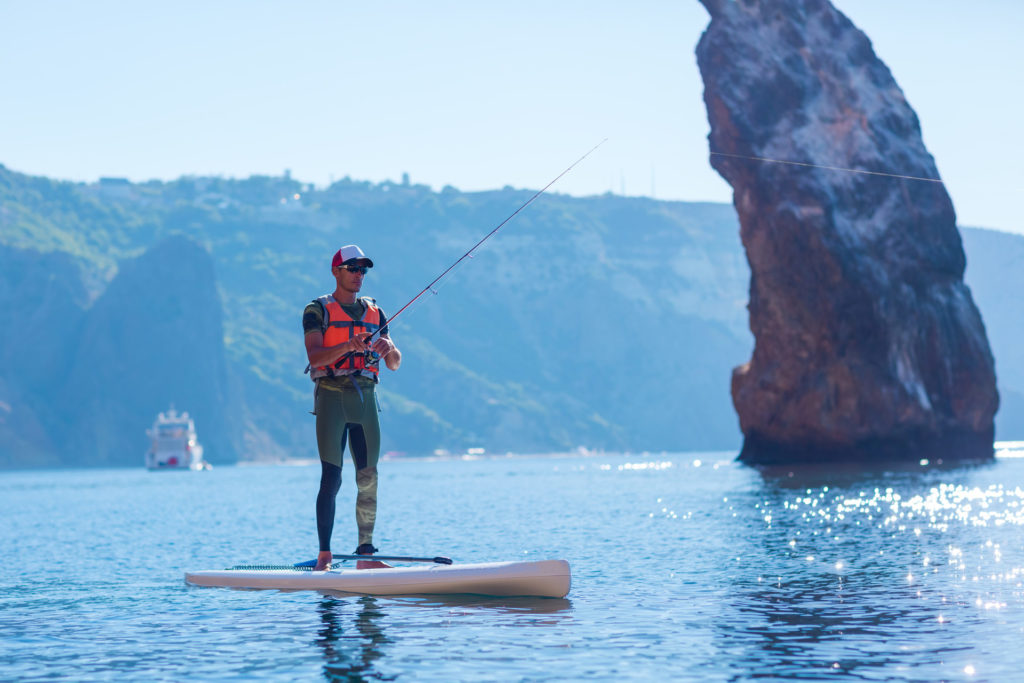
(476, 95)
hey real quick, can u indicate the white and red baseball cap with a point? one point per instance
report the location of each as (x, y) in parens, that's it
(350, 253)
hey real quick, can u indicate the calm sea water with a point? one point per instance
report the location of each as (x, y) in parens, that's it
(685, 566)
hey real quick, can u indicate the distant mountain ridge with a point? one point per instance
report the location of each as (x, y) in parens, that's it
(605, 322)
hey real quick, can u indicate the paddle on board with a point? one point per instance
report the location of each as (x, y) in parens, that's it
(381, 558)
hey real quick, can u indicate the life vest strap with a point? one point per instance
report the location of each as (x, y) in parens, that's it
(370, 327)
(320, 373)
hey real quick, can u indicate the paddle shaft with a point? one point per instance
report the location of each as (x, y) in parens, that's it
(390, 558)
(394, 558)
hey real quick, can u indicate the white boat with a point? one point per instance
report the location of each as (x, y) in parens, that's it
(173, 444)
(543, 578)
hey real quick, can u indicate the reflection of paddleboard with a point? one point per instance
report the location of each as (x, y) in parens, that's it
(545, 578)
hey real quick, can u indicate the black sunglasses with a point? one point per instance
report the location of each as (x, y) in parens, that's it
(357, 269)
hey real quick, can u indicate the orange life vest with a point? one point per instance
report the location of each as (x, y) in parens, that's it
(339, 327)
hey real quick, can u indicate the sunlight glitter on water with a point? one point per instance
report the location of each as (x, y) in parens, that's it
(911, 529)
(650, 465)
(942, 506)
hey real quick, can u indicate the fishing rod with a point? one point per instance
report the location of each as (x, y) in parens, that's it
(469, 254)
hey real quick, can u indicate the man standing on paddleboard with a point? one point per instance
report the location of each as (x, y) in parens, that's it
(345, 363)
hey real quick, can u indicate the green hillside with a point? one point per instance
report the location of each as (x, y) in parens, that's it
(604, 322)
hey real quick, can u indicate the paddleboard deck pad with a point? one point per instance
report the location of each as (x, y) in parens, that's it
(543, 578)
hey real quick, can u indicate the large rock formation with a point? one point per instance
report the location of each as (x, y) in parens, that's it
(154, 338)
(80, 381)
(867, 340)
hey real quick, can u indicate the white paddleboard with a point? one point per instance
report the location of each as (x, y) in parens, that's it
(544, 578)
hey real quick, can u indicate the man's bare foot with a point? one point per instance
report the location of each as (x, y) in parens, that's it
(372, 564)
(323, 561)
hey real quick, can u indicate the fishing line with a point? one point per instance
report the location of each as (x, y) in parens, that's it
(469, 254)
(828, 168)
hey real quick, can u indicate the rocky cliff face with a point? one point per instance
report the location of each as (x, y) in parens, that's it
(868, 342)
(81, 381)
(42, 296)
(155, 337)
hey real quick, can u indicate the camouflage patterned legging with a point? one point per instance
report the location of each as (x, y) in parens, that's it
(352, 414)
